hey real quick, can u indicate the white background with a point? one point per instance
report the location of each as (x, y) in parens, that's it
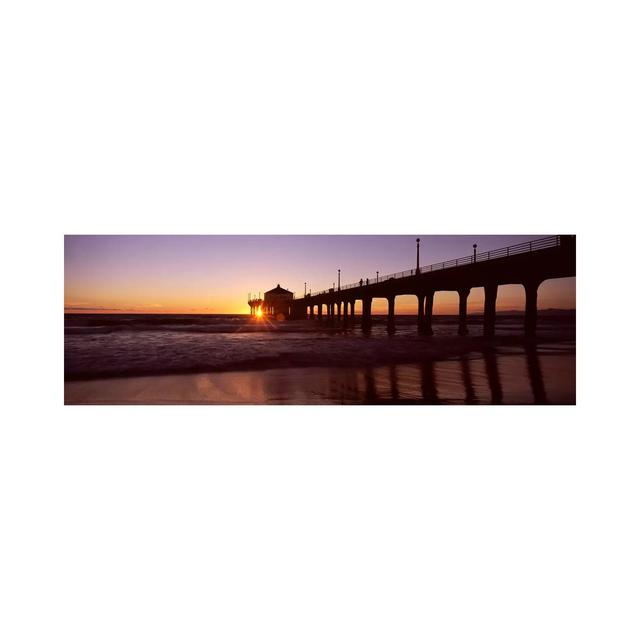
(332, 117)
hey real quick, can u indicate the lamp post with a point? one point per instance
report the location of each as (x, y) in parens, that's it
(377, 277)
(417, 256)
(475, 246)
(338, 279)
(305, 289)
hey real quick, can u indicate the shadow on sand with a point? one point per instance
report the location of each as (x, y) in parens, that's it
(382, 384)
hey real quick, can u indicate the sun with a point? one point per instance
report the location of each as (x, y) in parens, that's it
(259, 312)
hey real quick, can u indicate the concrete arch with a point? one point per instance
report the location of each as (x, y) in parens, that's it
(511, 297)
(557, 293)
(406, 304)
(475, 301)
(379, 305)
(510, 306)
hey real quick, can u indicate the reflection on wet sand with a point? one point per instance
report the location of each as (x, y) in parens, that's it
(493, 376)
(535, 375)
(531, 375)
(470, 394)
(428, 383)
(370, 395)
(483, 378)
(393, 381)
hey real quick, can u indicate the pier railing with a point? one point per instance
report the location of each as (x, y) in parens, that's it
(548, 242)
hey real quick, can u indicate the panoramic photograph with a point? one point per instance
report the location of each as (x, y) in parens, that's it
(319, 319)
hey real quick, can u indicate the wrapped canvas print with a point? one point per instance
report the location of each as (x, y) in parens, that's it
(319, 319)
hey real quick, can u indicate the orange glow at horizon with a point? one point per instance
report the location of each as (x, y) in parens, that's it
(552, 294)
(151, 300)
(212, 274)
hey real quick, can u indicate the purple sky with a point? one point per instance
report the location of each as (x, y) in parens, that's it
(215, 273)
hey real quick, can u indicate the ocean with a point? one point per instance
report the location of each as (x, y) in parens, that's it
(157, 358)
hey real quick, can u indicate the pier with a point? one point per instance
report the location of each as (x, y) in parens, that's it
(527, 264)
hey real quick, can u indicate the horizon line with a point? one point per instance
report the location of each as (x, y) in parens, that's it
(221, 313)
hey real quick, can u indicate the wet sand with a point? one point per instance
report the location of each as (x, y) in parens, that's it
(541, 375)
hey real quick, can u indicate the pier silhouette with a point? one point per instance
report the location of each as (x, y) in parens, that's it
(527, 264)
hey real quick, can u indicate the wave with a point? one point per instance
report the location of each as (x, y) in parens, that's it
(101, 324)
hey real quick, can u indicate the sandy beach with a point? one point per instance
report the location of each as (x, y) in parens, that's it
(234, 360)
(512, 376)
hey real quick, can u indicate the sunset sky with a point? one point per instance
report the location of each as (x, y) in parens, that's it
(214, 274)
